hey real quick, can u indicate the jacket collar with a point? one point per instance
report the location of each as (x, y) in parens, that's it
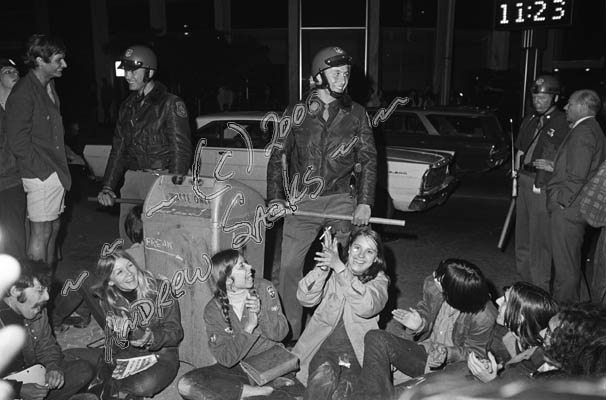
(154, 95)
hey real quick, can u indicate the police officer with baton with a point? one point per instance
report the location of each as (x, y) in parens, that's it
(540, 135)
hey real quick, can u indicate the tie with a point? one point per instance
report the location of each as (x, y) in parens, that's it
(535, 139)
(325, 114)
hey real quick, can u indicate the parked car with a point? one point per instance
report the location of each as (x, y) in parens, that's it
(474, 135)
(409, 179)
(414, 179)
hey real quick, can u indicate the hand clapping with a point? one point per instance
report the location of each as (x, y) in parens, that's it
(253, 305)
(329, 256)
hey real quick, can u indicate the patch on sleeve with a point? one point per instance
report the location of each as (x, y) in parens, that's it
(274, 308)
(181, 110)
(213, 339)
(271, 291)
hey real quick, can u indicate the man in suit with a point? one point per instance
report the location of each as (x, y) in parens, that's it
(575, 163)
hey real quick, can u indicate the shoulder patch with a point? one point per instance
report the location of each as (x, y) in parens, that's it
(213, 339)
(181, 110)
(271, 291)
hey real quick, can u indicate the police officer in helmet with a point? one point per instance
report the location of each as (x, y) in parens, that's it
(318, 157)
(152, 134)
(540, 135)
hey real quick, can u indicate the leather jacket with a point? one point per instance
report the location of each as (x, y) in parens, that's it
(332, 151)
(152, 133)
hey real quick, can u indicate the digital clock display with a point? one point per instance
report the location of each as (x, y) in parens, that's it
(526, 14)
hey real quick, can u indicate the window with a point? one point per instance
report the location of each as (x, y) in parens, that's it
(219, 134)
(457, 125)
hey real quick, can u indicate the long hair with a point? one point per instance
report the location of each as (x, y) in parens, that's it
(110, 294)
(222, 264)
(133, 225)
(580, 329)
(43, 46)
(528, 311)
(379, 264)
(463, 285)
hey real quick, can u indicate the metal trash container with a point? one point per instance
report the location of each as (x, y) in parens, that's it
(183, 230)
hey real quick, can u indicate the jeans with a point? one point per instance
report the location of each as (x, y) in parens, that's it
(78, 371)
(151, 381)
(381, 350)
(326, 376)
(217, 382)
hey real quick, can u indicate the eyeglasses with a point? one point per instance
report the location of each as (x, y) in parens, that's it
(40, 289)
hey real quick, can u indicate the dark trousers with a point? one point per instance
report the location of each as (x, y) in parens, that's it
(149, 382)
(299, 234)
(217, 382)
(381, 350)
(12, 221)
(78, 372)
(533, 235)
(567, 232)
(326, 376)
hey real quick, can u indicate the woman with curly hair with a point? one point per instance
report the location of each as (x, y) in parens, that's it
(574, 340)
(135, 327)
(244, 318)
(516, 347)
(349, 296)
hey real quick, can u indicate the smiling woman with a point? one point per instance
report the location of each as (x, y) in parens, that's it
(243, 319)
(121, 287)
(349, 297)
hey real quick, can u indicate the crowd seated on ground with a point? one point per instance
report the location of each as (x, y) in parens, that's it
(532, 344)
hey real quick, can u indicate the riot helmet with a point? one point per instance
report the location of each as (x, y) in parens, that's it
(324, 59)
(546, 84)
(138, 56)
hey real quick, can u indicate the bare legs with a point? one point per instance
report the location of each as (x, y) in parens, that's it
(43, 240)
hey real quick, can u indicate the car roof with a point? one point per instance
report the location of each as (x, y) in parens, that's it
(451, 110)
(202, 120)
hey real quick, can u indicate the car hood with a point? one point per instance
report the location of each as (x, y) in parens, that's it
(416, 156)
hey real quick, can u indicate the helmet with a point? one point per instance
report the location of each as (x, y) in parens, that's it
(329, 57)
(546, 84)
(138, 56)
(7, 62)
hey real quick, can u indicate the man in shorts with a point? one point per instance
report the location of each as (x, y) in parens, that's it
(35, 135)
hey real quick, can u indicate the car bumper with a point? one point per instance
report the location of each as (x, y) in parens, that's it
(435, 197)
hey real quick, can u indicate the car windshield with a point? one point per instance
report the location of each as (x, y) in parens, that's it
(219, 134)
(481, 127)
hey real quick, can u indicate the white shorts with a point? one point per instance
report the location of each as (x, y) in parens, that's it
(45, 199)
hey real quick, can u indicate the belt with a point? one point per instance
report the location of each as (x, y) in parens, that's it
(529, 168)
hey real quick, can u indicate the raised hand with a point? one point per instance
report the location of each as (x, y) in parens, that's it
(409, 318)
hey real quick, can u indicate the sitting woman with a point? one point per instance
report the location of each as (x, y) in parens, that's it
(243, 319)
(135, 328)
(454, 319)
(349, 297)
(524, 311)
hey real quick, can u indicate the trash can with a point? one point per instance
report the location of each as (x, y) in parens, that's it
(183, 227)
